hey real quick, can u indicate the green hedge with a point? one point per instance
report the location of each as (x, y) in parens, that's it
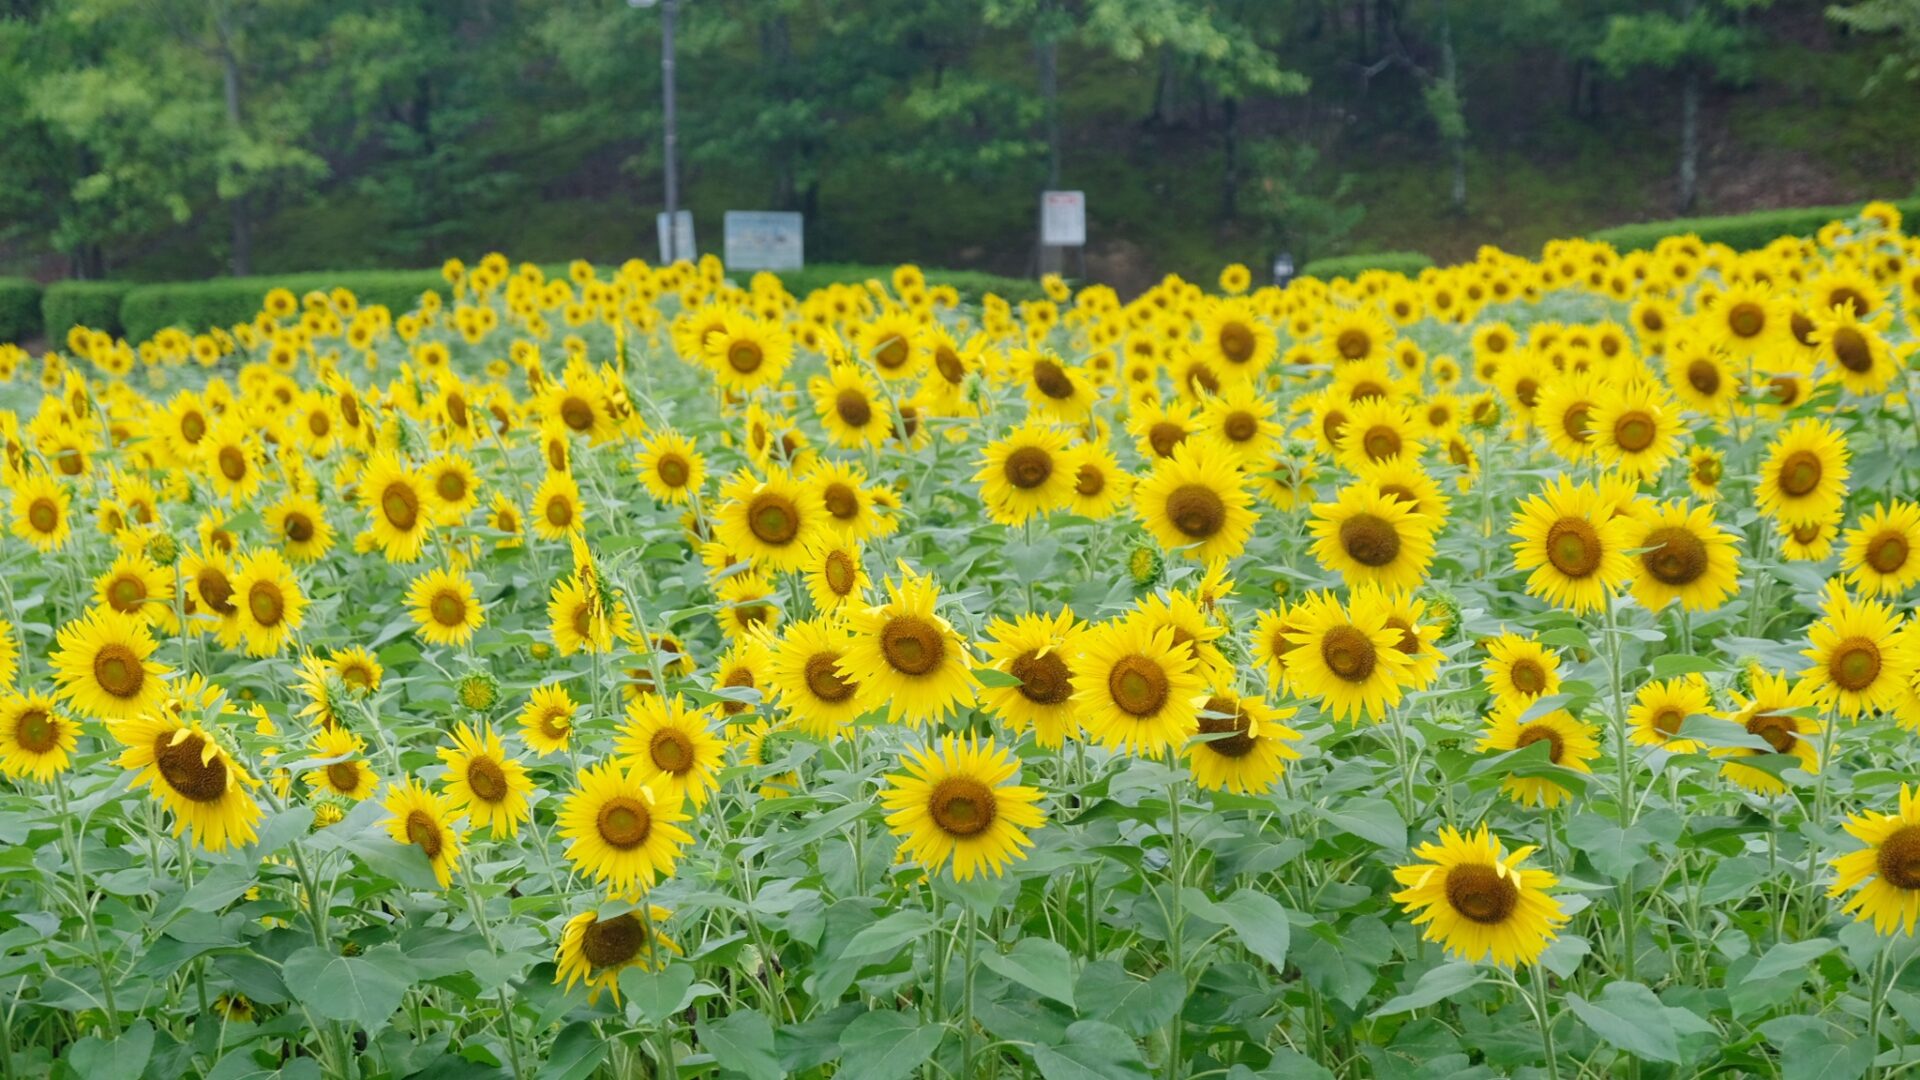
(1351, 266)
(1742, 232)
(971, 284)
(92, 304)
(198, 305)
(19, 309)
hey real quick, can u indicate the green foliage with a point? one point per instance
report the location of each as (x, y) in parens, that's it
(19, 309)
(1742, 232)
(93, 304)
(1347, 266)
(227, 301)
(1302, 207)
(971, 284)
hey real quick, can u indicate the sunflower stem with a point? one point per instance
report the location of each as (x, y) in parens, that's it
(966, 998)
(1176, 876)
(1624, 794)
(84, 902)
(1877, 1001)
(1537, 982)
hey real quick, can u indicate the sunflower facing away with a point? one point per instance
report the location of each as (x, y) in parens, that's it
(621, 831)
(1886, 872)
(1477, 901)
(957, 802)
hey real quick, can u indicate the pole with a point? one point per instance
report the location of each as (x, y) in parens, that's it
(669, 11)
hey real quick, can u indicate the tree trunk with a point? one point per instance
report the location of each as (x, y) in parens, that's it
(1456, 136)
(242, 256)
(1163, 89)
(1229, 158)
(1047, 54)
(1689, 178)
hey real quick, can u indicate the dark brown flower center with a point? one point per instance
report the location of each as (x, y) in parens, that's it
(840, 572)
(1348, 653)
(118, 671)
(1855, 663)
(1704, 376)
(912, 644)
(1052, 380)
(1898, 858)
(1240, 426)
(1780, 732)
(36, 731)
(1678, 557)
(1164, 435)
(961, 806)
(44, 515)
(1138, 685)
(1381, 442)
(1634, 431)
(1353, 344)
(841, 501)
(853, 408)
(1224, 715)
(1573, 547)
(671, 750)
(744, 357)
(265, 603)
(1196, 510)
(299, 528)
(624, 823)
(233, 463)
(1800, 473)
(1236, 342)
(1850, 347)
(401, 505)
(612, 942)
(577, 413)
(824, 678)
(125, 594)
(1887, 552)
(1574, 422)
(1044, 680)
(1028, 467)
(1746, 319)
(1533, 733)
(673, 470)
(343, 776)
(1370, 540)
(1089, 480)
(181, 766)
(773, 519)
(1528, 677)
(424, 832)
(1482, 894)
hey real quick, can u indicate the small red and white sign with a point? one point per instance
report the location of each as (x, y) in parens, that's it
(1063, 218)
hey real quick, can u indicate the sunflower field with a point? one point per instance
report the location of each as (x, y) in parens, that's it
(1508, 671)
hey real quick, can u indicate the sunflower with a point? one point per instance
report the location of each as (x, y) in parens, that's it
(1781, 713)
(747, 354)
(771, 521)
(746, 604)
(1706, 467)
(955, 802)
(1040, 651)
(557, 509)
(1100, 486)
(269, 602)
(1566, 415)
(1683, 556)
(233, 461)
(302, 527)
(191, 774)
(395, 500)
(672, 747)
(1196, 503)
(419, 817)
(503, 516)
(1520, 668)
(852, 506)
(621, 831)
(1354, 336)
(579, 617)
(444, 607)
(1025, 474)
(904, 654)
(349, 777)
(41, 511)
(1575, 546)
(1700, 375)
(1407, 613)
(1808, 541)
(596, 950)
(1854, 350)
(1477, 901)
(1054, 389)
(452, 486)
(1882, 557)
(1636, 429)
(1887, 871)
(1236, 339)
(35, 741)
(1136, 688)
(1570, 745)
(1157, 429)
(1372, 538)
(1348, 657)
(670, 468)
(134, 586)
(1377, 430)
(1272, 641)
(850, 407)
(1242, 745)
(102, 663)
(481, 779)
(1747, 321)
(1804, 476)
(892, 342)
(1662, 706)
(835, 575)
(546, 721)
(1861, 661)
(805, 670)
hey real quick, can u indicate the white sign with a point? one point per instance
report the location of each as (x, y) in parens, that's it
(684, 249)
(1063, 218)
(765, 240)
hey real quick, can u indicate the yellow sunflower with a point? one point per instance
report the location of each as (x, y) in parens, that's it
(102, 663)
(747, 354)
(1882, 556)
(1575, 546)
(853, 507)
(191, 775)
(557, 509)
(672, 747)
(1662, 706)
(546, 721)
(1242, 746)
(41, 511)
(1348, 657)
(419, 817)
(1636, 429)
(1804, 476)
(1039, 651)
(852, 410)
(349, 777)
(444, 607)
(1372, 538)
(957, 803)
(805, 670)
(596, 950)
(1783, 714)
(1887, 871)
(1570, 745)
(1026, 474)
(1196, 502)
(301, 524)
(396, 503)
(1520, 668)
(1136, 688)
(1683, 556)
(671, 469)
(771, 521)
(269, 602)
(621, 831)
(1477, 901)
(904, 654)
(1100, 486)
(1861, 661)
(482, 780)
(35, 741)
(134, 586)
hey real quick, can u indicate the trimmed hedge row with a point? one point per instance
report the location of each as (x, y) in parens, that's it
(1742, 232)
(92, 304)
(971, 284)
(196, 305)
(19, 309)
(1409, 263)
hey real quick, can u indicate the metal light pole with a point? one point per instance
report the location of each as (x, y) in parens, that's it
(669, 107)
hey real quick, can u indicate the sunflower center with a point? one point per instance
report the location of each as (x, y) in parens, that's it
(1221, 716)
(215, 590)
(451, 486)
(1367, 390)
(265, 603)
(1851, 349)
(1138, 685)
(343, 776)
(555, 723)
(118, 671)
(1409, 642)
(401, 505)
(1353, 344)
(1241, 426)
(824, 679)
(424, 833)
(1052, 380)
(1481, 894)
(911, 644)
(1888, 552)
(299, 528)
(1196, 510)
(1528, 677)
(624, 823)
(233, 463)
(1667, 721)
(613, 942)
(1574, 423)
(1044, 680)
(744, 357)
(1780, 732)
(1634, 431)
(853, 408)
(35, 731)
(1348, 653)
(1527, 390)
(1573, 547)
(839, 572)
(1855, 663)
(1236, 342)
(1534, 733)
(43, 515)
(1678, 556)
(1746, 319)
(841, 501)
(893, 354)
(1898, 859)
(193, 426)
(576, 413)
(949, 365)
(557, 455)
(962, 806)
(181, 765)
(449, 609)
(1704, 376)
(736, 677)
(1370, 540)
(1028, 467)
(1089, 481)
(1381, 442)
(1800, 474)
(773, 519)
(1164, 436)
(1707, 471)
(126, 593)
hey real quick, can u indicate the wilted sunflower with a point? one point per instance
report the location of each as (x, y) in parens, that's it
(482, 780)
(1372, 539)
(35, 741)
(444, 607)
(1477, 901)
(1196, 502)
(1662, 706)
(419, 817)
(191, 774)
(1348, 657)
(1574, 544)
(597, 950)
(1683, 556)
(622, 832)
(1861, 662)
(1135, 688)
(672, 747)
(349, 778)
(955, 802)
(1040, 651)
(671, 469)
(102, 663)
(1784, 715)
(1242, 745)
(1882, 556)
(1804, 476)
(904, 655)
(1887, 871)
(1570, 745)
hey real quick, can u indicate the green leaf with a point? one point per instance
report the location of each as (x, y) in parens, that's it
(1627, 1015)
(886, 1045)
(1613, 851)
(1812, 1046)
(1437, 985)
(996, 678)
(1671, 664)
(1092, 1051)
(1255, 918)
(1038, 964)
(741, 1042)
(889, 934)
(576, 1053)
(1790, 956)
(1107, 992)
(109, 1059)
(363, 990)
(657, 994)
(1375, 821)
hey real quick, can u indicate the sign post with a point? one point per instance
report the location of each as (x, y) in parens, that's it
(1063, 225)
(765, 240)
(678, 244)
